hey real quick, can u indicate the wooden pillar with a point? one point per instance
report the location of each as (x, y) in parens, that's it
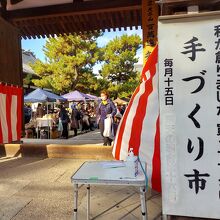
(10, 54)
(11, 70)
(150, 11)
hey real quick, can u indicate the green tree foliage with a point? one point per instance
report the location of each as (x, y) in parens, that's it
(126, 89)
(119, 57)
(27, 79)
(69, 62)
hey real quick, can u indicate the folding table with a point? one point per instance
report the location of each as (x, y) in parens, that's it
(107, 173)
(44, 123)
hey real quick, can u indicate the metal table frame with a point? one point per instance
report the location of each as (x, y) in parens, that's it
(76, 180)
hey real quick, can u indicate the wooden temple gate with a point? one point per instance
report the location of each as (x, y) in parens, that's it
(39, 19)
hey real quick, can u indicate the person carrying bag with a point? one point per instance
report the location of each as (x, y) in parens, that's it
(105, 113)
(108, 127)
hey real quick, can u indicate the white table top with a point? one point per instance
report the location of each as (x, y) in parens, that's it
(44, 122)
(101, 172)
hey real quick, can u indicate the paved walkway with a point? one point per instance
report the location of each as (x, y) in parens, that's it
(34, 188)
(40, 188)
(91, 137)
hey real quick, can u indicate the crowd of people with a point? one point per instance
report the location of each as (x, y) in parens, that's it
(80, 117)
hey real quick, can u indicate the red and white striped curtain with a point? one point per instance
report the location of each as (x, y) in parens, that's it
(10, 113)
(139, 126)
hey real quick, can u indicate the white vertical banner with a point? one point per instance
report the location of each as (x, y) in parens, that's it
(189, 87)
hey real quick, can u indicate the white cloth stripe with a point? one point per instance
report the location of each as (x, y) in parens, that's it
(148, 129)
(3, 113)
(119, 126)
(146, 151)
(128, 126)
(14, 117)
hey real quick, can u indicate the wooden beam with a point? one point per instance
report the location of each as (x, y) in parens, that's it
(87, 22)
(95, 22)
(99, 20)
(114, 21)
(27, 31)
(128, 20)
(24, 36)
(120, 21)
(135, 19)
(58, 27)
(47, 30)
(80, 25)
(72, 20)
(69, 27)
(43, 30)
(35, 28)
(123, 18)
(88, 7)
(62, 24)
(3, 10)
(103, 21)
(117, 19)
(71, 24)
(76, 17)
(81, 22)
(38, 30)
(111, 23)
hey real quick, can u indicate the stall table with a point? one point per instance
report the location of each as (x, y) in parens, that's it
(44, 123)
(106, 173)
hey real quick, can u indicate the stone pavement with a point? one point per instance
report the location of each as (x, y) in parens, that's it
(91, 137)
(40, 188)
(84, 146)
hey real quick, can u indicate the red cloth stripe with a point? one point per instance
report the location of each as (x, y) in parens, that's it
(123, 122)
(156, 172)
(8, 111)
(137, 123)
(19, 113)
(138, 120)
(1, 137)
(9, 91)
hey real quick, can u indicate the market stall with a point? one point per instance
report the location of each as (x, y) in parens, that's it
(46, 122)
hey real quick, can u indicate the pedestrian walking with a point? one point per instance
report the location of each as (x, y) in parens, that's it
(106, 111)
(63, 115)
(75, 115)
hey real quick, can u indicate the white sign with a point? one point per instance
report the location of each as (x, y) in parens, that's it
(189, 71)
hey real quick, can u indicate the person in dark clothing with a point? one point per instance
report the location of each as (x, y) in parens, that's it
(39, 111)
(63, 115)
(105, 109)
(26, 115)
(74, 119)
(85, 121)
